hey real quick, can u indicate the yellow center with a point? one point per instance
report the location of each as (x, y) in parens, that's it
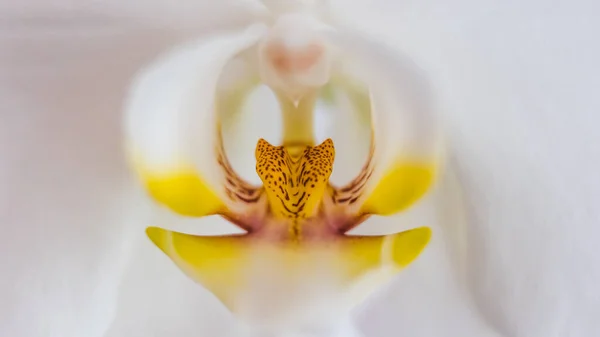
(294, 184)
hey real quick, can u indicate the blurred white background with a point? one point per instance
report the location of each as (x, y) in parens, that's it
(516, 214)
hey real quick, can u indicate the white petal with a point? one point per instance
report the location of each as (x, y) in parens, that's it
(403, 114)
(404, 127)
(171, 123)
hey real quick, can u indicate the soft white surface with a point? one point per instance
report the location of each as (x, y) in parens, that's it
(518, 82)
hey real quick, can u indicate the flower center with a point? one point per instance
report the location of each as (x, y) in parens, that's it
(294, 184)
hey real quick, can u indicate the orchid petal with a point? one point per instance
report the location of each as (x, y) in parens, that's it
(397, 250)
(295, 236)
(215, 262)
(404, 151)
(223, 264)
(173, 130)
(376, 259)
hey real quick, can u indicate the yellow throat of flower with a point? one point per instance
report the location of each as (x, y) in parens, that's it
(294, 184)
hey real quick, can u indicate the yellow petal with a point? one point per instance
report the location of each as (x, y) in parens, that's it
(363, 253)
(408, 245)
(182, 190)
(399, 188)
(232, 267)
(216, 262)
(375, 260)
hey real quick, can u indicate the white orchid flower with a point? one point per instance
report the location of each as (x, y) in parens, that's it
(518, 82)
(297, 222)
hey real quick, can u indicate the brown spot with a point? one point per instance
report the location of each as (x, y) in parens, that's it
(314, 165)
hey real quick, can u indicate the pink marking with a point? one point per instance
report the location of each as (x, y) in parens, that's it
(321, 228)
(288, 61)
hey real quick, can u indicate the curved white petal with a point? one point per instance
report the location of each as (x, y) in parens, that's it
(403, 114)
(522, 120)
(172, 127)
(405, 133)
(344, 99)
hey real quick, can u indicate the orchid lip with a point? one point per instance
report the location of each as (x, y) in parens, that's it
(297, 218)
